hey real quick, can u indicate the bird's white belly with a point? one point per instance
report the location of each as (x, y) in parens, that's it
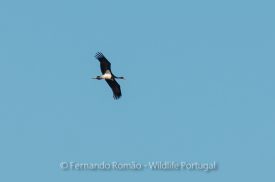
(106, 76)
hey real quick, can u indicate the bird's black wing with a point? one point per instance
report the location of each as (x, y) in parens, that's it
(104, 63)
(115, 88)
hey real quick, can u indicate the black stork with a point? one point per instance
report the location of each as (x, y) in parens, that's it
(107, 75)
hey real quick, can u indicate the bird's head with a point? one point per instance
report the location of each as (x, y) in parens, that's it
(119, 77)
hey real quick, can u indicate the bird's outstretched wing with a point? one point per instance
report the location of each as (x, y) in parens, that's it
(115, 88)
(104, 63)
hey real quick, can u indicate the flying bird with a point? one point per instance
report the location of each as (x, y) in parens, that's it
(108, 76)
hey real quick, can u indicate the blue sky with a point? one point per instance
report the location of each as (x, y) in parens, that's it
(199, 87)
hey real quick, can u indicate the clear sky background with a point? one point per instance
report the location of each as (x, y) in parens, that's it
(199, 87)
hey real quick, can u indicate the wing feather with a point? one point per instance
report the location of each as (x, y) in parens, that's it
(115, 88)
(104, 63)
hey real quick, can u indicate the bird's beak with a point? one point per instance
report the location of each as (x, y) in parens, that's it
(93, 78)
